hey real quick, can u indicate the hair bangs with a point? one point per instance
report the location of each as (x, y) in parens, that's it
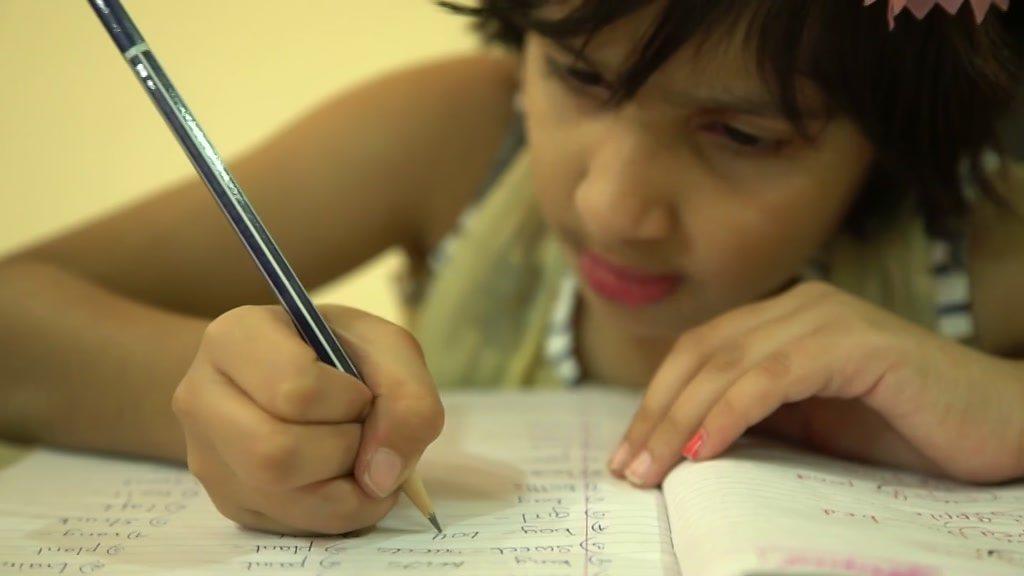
(928, 95)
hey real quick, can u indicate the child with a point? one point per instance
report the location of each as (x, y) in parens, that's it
(781, 215)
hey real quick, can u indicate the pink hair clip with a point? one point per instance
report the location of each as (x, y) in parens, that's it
(920, 8)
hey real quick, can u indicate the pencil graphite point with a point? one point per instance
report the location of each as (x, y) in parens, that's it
(417, 494)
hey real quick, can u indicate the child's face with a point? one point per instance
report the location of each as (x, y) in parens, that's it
(698, 190)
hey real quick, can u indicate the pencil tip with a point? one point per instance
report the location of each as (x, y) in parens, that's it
(434, 522)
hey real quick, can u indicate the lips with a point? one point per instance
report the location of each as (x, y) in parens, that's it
(626, 286)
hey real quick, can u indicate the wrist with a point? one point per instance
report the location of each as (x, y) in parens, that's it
(982, 399)
(961, 408)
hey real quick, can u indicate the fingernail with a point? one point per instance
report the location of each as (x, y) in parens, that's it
(618, 461)
(639, 469)
(384, 470)
(693, 447)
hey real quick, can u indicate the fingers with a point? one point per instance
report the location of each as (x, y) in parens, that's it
(719, 369)
(253, 520)
(717, 349)
(261, 450)
(407, 413)
(713, 411)
(817, 364)
(258, 348)
(678, 435)
(814, 423)
(226, 491)
(335, 506)
(784, 377)
(735, 372)
(275, 436)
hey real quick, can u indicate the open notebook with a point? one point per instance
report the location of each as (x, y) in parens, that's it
(520, 484)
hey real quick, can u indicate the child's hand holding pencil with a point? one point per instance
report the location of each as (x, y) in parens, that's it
(277, 426)
(285, 443)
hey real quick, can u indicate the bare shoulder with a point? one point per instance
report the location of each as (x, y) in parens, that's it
(454, 115)
(388, 163)
(997, 266)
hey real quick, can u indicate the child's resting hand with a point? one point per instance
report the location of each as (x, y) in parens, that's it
(823, 368)
(285, 443)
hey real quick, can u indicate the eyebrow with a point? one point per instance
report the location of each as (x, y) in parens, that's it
(750, 104)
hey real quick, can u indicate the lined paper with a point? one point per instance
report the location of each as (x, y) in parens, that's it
(519, 482)
(764, 509)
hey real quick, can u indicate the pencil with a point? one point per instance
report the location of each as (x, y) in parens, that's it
(233, 202)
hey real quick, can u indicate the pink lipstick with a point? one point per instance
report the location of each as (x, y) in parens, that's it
(624, 285)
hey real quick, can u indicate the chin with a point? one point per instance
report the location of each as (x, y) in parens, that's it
(663, 320)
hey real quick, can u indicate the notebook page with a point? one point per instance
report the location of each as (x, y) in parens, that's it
(764, 509)
(518, 480)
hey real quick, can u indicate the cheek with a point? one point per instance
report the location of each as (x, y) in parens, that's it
(773, 222)
(554, 175)
(751, 246)
(759, 239)
(557, 161)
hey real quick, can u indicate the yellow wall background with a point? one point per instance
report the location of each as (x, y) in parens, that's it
(78, 137)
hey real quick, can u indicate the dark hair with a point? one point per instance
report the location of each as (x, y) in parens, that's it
(928, 95)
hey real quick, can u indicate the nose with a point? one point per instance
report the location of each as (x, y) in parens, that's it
(619, 198)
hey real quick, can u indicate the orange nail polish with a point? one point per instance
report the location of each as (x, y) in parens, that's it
(693, 446)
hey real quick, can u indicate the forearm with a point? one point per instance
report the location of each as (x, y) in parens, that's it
(83, 367)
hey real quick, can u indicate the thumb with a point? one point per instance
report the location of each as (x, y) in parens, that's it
(406, 415)
(397, 431)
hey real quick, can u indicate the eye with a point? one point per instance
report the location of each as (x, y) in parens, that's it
(577, 76)
(742, 138)
(745, 139)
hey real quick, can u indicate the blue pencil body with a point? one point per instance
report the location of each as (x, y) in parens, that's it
(226, 192)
